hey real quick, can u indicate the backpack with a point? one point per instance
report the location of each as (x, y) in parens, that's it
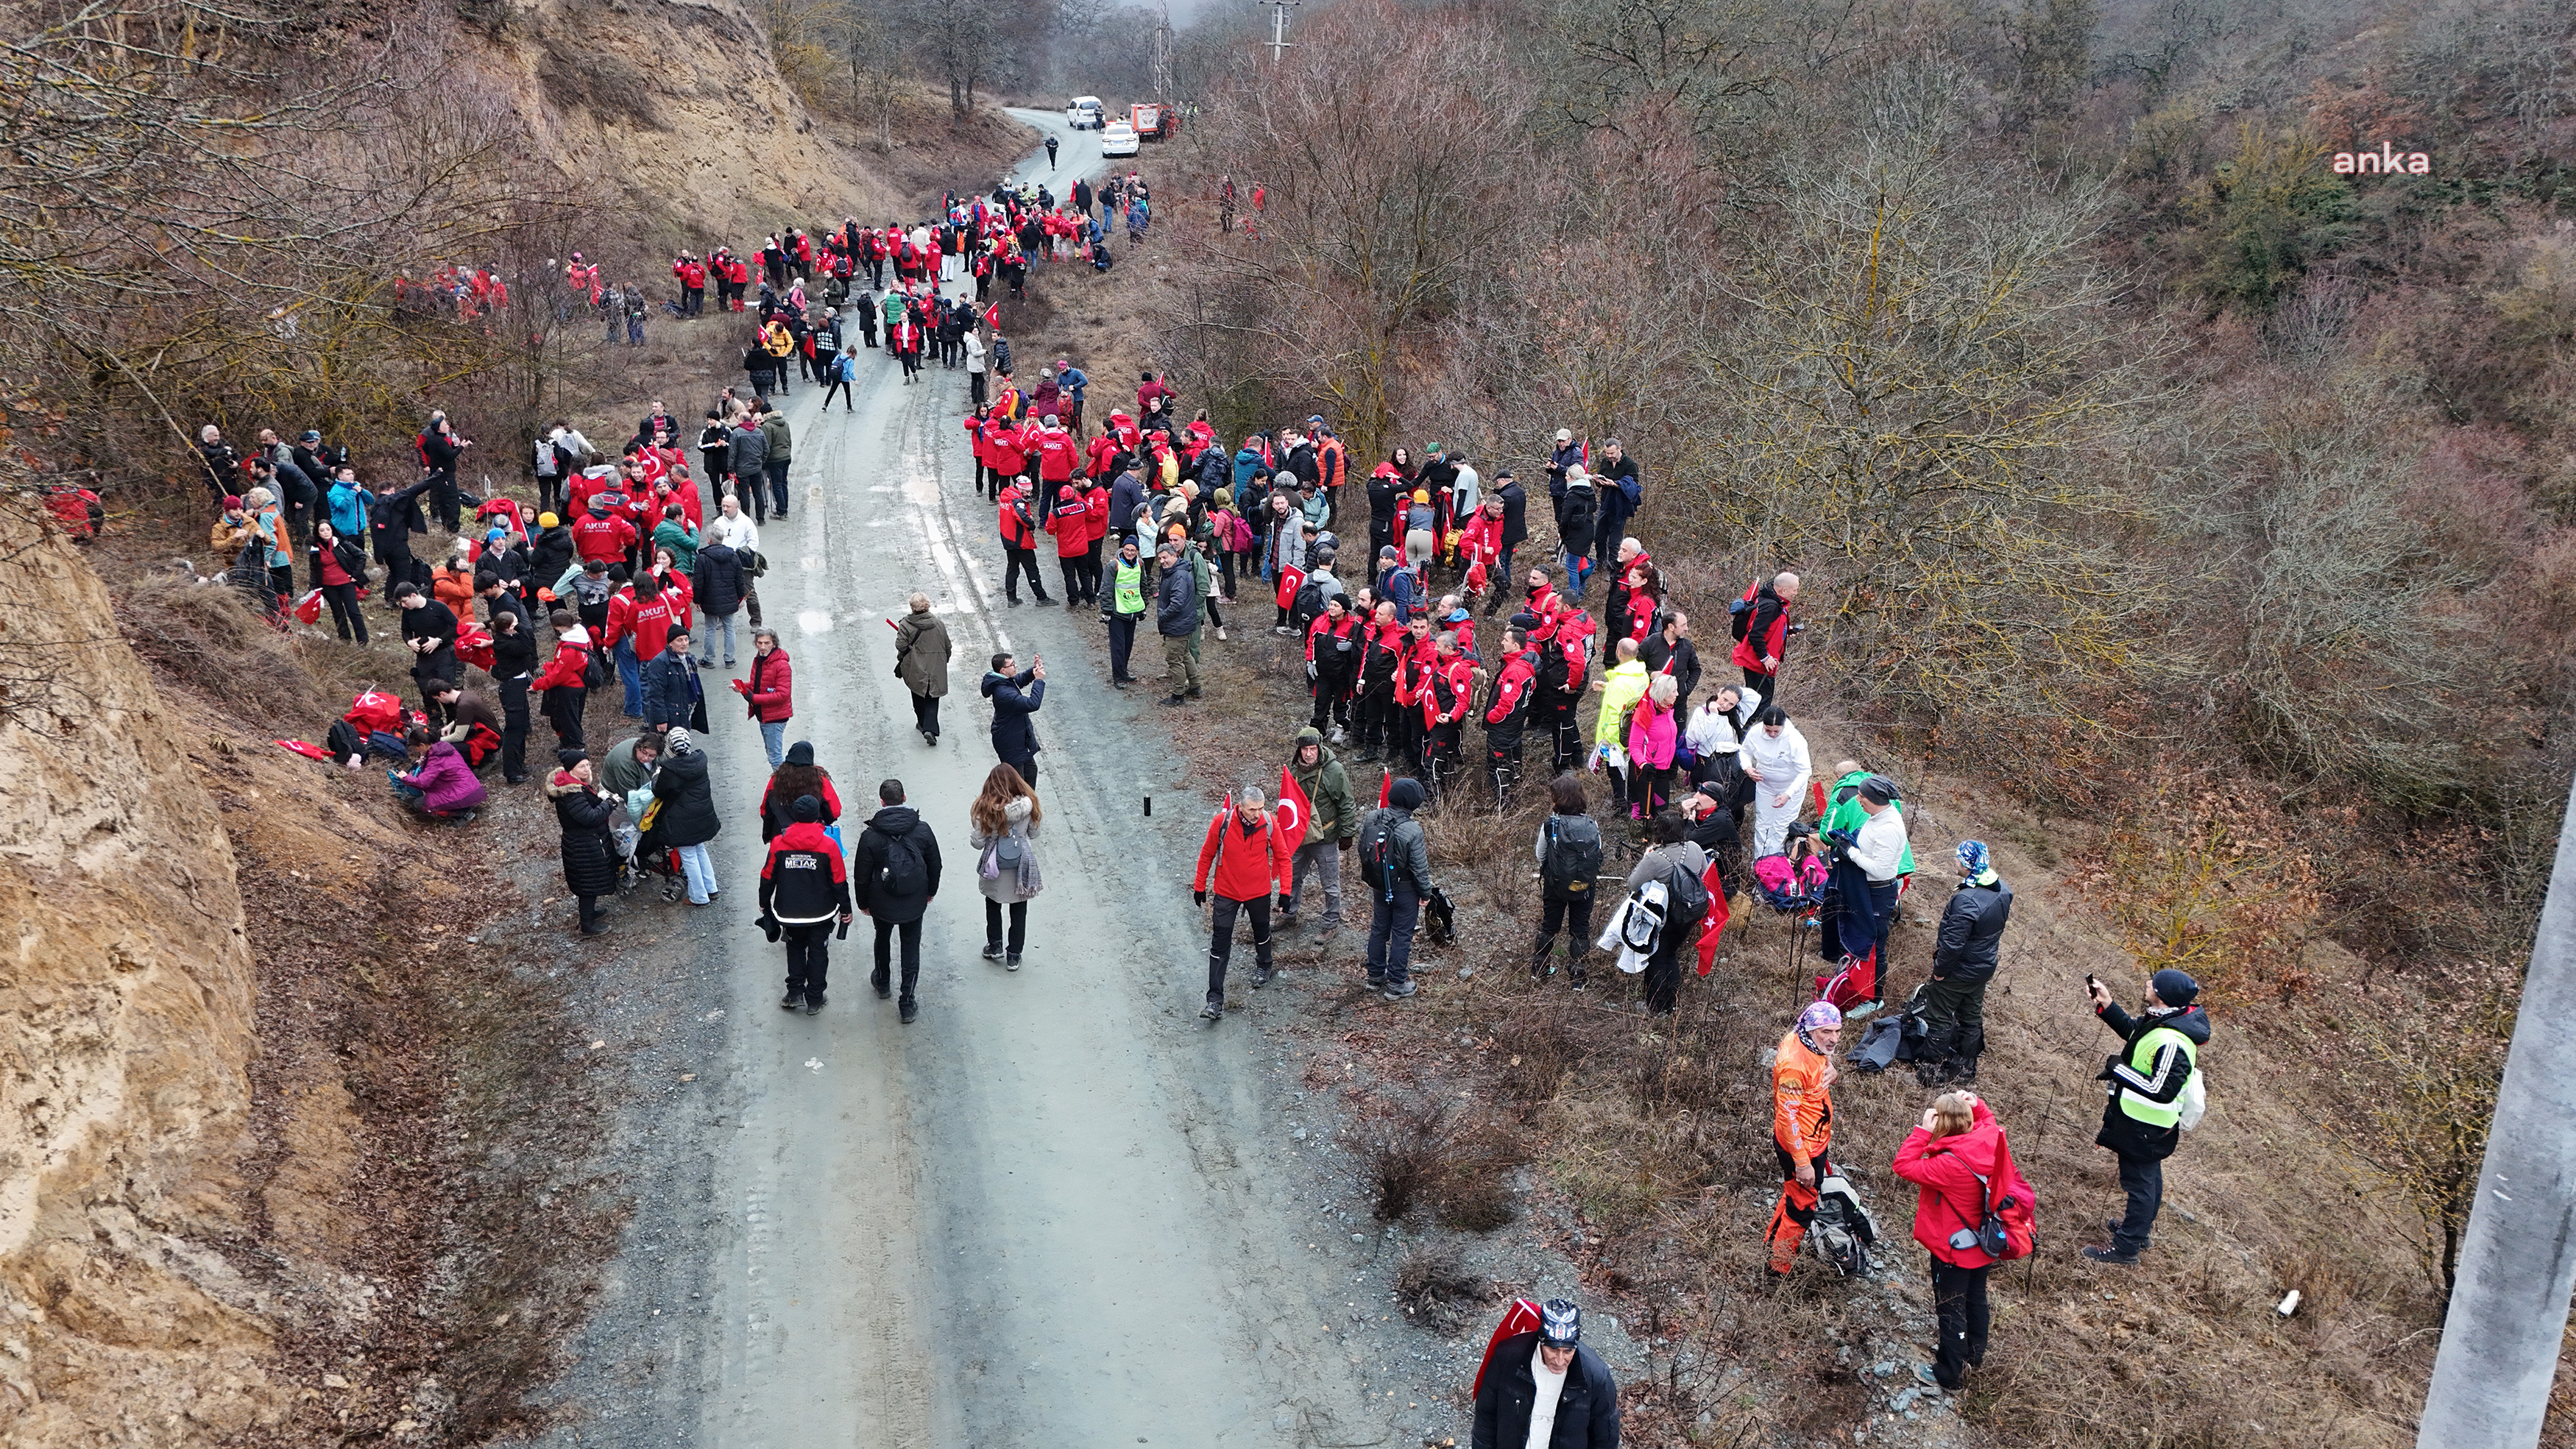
(1573, 863)
(903, 874)
(546, 462)
(1309, 605)
(1377, 852)
(1739, 615)
(1843, 1231)
(1686, 896)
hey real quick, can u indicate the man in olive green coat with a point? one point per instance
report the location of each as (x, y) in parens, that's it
(921, 662)
(1334, 826)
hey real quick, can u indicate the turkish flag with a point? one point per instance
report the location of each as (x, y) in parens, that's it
(1296, 812)
(1715, 925)
(1385, 785)
(1291, 579)
(993, 316)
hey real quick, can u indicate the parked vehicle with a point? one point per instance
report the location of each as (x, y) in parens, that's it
(1118, 139)
(1084, 113)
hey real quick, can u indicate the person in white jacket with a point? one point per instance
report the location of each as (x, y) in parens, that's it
(1775, 759)
(1718, 727)
(974, 345)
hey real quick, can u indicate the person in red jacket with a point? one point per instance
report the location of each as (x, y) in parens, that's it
(1507, 710)
(1762, 628)
(1019, 529)
(1248, 861)
(1959, 1142)
(603, 533)
(770, 692)
(1057, 453)
(1007, 443)
(1447, 695)
(562, 684)
(1095, 504)
(1333, 645)
(1071, 525)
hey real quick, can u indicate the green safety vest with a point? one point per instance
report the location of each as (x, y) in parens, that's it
(2142, 1060)
(1129, 590)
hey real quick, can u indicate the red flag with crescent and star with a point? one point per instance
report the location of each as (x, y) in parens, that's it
(1296, 812)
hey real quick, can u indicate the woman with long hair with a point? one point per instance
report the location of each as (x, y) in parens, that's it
(797, 775)
(1003, 827)
(1645, 603)
(1962, 1168)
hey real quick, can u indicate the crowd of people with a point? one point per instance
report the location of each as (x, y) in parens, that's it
(1432, 646)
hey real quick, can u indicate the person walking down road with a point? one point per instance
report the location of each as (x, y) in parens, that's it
(1802, 1124)
(1176, 618)
(1965, 953)
(1332, 827)
(583, 809)
(1774, 758)
(1247, 861)
(1569, 850)
(1016, 694)
(2155, 1091)
(687, 819)
(895, 876)
(770, 692)
(1963, 1168)
(780, 453)
(804, 894)
(1395, 861)
(921, 662)
(792, 779)
(1761, 627)
(1545, 1390)
(1002, 828)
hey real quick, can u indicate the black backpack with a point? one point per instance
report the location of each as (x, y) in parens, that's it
(1377, 852)
(1573, 863)
(1686, 899)
(1307, 606)
(904, 874)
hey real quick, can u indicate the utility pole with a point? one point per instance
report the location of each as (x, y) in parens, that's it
(1163, 57)
(2508, 1316)
(1279, 41)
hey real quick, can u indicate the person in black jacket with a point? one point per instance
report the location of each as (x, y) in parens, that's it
(687, 819)
(896, 875)
(1015, 697)
(583, 810)
(429, 631)
(514, 664)
(549, 553)
(1669, 651)
(1549, 1372)
(393, 520)
(719, 585)
(671, 686)
(1964, 956)
(804, 889)
(440, 450)
(1515, 531)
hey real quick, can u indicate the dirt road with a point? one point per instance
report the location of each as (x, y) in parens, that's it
(1055, 1211)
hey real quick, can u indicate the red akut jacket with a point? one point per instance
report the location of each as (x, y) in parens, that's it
(1070, 523)
(603, 536)
(1241, 865)
(1055, 455)
(1510, 701)
(1325, 631)
(1447, 687)
(566, 669)
(1018, 529)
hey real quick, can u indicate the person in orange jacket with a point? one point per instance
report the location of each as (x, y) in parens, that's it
(1248, 860)
(1802, 1124)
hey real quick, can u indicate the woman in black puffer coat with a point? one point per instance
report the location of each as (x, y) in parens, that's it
(583, 810)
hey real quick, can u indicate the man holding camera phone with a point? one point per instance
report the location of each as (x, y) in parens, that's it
(2154, 1081)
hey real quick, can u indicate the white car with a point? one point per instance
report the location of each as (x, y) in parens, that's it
(1083, 113)
(1118, 139)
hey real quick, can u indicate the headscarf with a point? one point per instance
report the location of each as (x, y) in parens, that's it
(1818, 1016)
(1973, 860)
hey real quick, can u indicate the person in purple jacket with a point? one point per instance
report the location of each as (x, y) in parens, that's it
(442, 786)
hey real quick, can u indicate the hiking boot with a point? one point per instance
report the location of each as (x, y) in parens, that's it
(1281, 629)
(1045, 603)
(911, 1009)
(1861, 1010)
(879, 983)
(1171, 701)
(1331, 922)
(930, 739)
(1377, 983)
(1261, 976)
(2112, 1257)
(595, 928)
(992, 950)
(813, 1004)
(792, 1000)
(1399, 990)
(1339, 736)
(1212, 1011)
(1196, 692)
(1011, 962)
(1963, 1071)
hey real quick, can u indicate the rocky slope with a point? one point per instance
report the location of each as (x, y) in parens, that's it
(125, 1038)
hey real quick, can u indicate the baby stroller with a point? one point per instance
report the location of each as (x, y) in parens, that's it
(644, 855)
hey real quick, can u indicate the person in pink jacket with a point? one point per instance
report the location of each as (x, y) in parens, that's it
(1958, 1143)
(442, 786)
(1650, 748)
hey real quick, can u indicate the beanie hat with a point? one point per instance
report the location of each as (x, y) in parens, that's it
(547, 520)
(571, 757)
(1878, 789)
(801, 753)
(1973, 858)
(1560, 1323)
(1309, 736)
(680, 742)
(1405, 794)
(806, 809)
(2174, 988)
